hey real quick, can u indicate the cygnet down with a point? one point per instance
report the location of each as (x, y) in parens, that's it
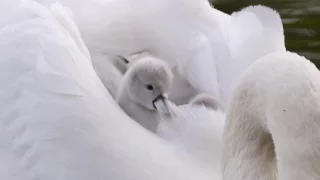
(124, 62)
(142, 92)
(181, 92)
(206, 100)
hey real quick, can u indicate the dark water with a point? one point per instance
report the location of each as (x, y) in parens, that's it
(301, 19)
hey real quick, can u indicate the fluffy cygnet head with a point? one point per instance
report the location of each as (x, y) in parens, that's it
(142, 92)
(124, 62)
(148, 80)
(207, 100)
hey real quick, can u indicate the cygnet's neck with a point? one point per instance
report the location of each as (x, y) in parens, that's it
(145, 117)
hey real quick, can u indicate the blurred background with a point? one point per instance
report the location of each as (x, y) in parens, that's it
(301, 19)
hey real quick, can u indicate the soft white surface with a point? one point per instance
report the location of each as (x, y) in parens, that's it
(58, 122)
(251, 34)
(272, 130)
(199, 136)
(210, 47)
(109, 74)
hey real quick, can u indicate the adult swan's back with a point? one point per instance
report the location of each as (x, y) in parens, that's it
(273, 125)
(57, 121)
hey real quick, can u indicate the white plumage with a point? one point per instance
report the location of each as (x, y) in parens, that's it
(57, 119)
(209, 48)
(143, 87)
(273, 121)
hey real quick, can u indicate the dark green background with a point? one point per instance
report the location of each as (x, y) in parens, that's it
(301, 19)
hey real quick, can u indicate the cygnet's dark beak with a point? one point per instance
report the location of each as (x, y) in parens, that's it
(160, 97)
(160, 104)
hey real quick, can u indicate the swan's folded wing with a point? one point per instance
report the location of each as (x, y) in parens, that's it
(200, 64)
(200, 68)
(251, 33)
(63, 15)
(57, 121)
(196, 131)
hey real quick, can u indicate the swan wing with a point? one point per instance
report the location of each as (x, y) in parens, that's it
(251, 33)
(197, 131)
(200, 69)
(212, 48)
(170, 30)
(109, 74)
(227, 45)
(57, 119)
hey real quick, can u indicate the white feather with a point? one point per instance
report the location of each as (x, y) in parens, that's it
(57, 121)
(196, 131)
(251, 34)
(211, 47)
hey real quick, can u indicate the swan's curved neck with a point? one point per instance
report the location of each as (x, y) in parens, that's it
(248, 150)
(274, 112)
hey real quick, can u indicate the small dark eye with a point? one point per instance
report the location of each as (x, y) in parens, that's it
(125, 60)
(149, 87)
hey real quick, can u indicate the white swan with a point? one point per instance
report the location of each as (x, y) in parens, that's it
(199, 137)
(110, 75)
(144, 84)
(199, 40)
(57, 121)
(272, 129)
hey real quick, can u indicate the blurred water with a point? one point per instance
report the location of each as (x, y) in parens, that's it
(301, 19)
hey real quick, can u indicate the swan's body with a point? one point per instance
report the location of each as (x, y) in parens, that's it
(57, 119)
(59, 122)
(189, 35)
(109, 74)
(200, 138)
(272, 129)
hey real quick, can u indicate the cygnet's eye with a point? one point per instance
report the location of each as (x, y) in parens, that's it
(125, 60)
(149, 87)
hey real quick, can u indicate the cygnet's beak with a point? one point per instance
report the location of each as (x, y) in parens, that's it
(160, 103)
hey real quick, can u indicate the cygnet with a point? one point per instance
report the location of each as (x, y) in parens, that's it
(181, 92)
(142, 91)
(206, 100)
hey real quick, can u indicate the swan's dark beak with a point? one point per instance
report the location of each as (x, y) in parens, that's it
(160, 103)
